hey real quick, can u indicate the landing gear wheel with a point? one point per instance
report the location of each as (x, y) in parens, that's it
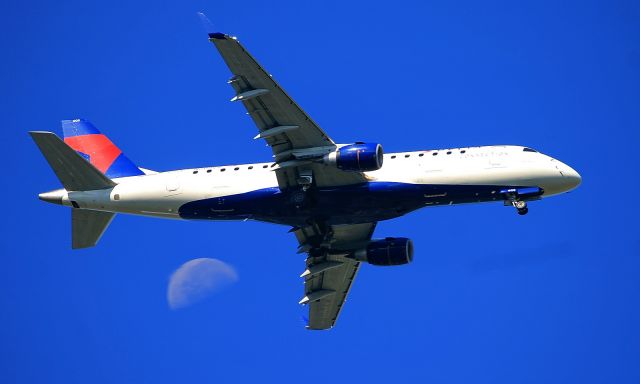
(298, 197)
(520, 205)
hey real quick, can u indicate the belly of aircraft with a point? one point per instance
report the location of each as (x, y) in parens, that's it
(369, 202)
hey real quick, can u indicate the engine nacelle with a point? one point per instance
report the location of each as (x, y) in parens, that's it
(389, 251)
(359, 157)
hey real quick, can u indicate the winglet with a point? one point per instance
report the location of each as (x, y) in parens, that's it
(208, 26)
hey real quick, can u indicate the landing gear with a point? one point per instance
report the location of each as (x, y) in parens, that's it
(515, 196)
(305, 179)
(300, 198)
(521, 206)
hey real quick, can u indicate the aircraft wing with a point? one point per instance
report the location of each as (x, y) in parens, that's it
(295, 139)
(329, 274)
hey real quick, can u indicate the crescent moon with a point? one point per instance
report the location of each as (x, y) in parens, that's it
(198, 279)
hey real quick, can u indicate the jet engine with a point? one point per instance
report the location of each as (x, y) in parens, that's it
(389, 251)
(359, 157)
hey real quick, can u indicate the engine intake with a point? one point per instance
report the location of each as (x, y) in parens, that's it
(389, 251)
(359, 157)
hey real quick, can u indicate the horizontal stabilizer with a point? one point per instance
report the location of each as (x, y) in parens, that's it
(74, 172)
(88, 226)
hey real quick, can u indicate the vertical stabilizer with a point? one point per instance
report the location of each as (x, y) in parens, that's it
(97, 149)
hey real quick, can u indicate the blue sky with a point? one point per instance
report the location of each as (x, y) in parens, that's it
(490, 298)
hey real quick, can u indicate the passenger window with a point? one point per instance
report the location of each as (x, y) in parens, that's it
(420, 155)
(448, 152)
(406, 156)
(529, 150)
(463, 151)
(250, 167)
(236, 168)
(393, 157)
(208, 171)
(435, 153)
(265, 166)
(194, 172)
(222, 169)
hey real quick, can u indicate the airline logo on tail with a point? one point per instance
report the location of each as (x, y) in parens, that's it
(91, 144)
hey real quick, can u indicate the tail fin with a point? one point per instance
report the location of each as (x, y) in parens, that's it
(96, 148)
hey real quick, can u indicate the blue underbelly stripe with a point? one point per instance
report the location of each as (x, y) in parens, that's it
(366, 202)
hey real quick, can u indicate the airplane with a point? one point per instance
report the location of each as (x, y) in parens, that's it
(331, 195)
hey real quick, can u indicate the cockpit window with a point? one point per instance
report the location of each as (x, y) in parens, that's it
(530, 150)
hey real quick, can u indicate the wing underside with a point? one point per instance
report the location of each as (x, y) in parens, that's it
(330, 272)
(296, 140)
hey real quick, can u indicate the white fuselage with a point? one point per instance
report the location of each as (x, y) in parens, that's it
(162, 194)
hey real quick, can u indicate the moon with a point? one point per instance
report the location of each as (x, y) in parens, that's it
(198, 279)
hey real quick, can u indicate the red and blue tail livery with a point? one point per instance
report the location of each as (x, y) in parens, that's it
(91, 144)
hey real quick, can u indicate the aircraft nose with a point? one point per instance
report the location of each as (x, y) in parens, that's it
(570, 177)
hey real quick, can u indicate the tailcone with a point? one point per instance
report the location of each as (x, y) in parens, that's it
(53, 197)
